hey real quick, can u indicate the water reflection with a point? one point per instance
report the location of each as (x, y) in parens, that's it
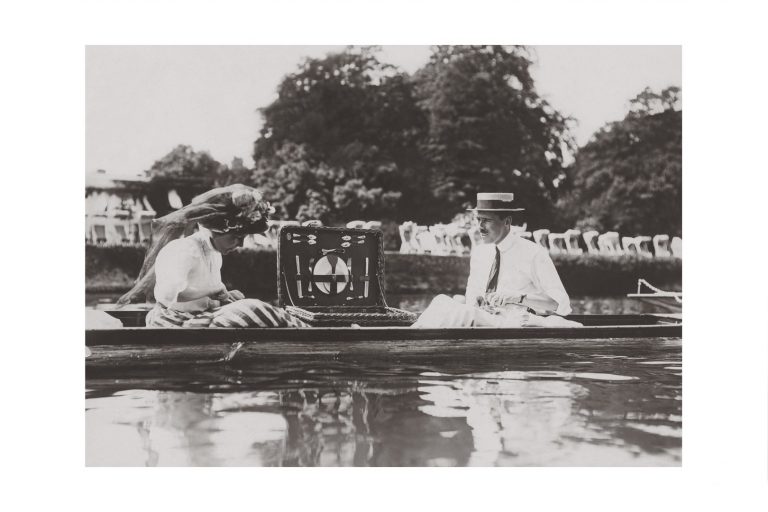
(617, 405)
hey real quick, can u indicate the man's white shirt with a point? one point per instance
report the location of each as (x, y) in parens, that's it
(525, 269)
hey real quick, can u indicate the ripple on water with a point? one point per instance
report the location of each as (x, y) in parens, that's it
(603, 376)
(659, 430)
(548, 374)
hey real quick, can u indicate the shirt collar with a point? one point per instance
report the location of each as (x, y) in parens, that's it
(204, 234)
(508, 241)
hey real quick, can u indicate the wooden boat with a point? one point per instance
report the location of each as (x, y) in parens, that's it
(595, 327)
(143, 346)
(664, 301)
(333, 303)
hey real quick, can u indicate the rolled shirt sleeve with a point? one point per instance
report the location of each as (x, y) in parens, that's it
(546, 278)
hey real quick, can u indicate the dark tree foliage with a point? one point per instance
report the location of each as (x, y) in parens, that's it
(628, 178)
(377, 143)
(489, 130)
(235, 172)
(343, 133)
(302, 188)
(184, 170)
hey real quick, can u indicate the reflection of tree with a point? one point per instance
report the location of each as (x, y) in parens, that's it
(412, 438)
(633, 418)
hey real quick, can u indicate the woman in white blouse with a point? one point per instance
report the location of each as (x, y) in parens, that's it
(183, 273)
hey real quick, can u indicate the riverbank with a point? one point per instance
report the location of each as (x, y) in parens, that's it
(254, 272)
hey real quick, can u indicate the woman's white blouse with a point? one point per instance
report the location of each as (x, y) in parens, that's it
(190, 265)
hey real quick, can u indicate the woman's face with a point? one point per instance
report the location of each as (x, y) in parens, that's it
(225, 243)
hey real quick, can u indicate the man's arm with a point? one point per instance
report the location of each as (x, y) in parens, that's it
(547, 279)
(475, 283)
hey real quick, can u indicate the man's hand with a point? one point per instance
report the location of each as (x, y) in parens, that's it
(498, 299)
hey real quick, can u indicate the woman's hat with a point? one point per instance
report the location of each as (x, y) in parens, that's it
(495, 202)
(238, 210)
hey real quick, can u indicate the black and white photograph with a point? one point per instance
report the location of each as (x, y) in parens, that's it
(383, 256)
(437, 255)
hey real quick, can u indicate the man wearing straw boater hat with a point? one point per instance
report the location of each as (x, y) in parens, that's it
(512, 281)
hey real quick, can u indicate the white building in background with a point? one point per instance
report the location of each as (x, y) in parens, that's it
(117, 210)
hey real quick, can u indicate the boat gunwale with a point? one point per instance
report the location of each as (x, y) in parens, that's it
(656, 295)
(668, 327)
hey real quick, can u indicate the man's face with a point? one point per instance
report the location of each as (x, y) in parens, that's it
(493, 227)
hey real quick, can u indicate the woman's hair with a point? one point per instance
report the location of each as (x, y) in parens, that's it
(234, 209)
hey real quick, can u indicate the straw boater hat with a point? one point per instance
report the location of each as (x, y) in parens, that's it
(495, 202)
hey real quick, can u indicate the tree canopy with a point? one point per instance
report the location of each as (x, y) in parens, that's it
(184, 170)
(337, 142)
(628, 177)
(352, 136)
(489, 130)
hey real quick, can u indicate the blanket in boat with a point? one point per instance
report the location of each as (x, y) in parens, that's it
(241, 313)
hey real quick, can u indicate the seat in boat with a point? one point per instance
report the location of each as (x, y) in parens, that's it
(661, 246)
(676, 246)
(572, 237)
(541, 237)
(557, 243)
(609, 244)
(590, 240)
(406, 233)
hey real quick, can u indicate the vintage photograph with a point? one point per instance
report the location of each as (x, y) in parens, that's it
(383, 256)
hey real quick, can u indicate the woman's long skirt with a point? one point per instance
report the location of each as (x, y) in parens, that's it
(241, 313)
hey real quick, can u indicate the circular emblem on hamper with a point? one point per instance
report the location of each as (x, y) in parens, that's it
(331, 274)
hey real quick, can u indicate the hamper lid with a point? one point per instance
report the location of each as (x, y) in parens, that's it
(324, 266)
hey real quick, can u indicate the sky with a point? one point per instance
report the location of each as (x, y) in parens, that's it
(142, 101)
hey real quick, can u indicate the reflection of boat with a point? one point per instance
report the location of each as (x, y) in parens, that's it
(666, 301)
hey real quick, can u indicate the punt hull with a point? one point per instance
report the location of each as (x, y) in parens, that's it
(157, 346)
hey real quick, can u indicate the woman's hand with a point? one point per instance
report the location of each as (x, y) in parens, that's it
(236, 295)
(228, 296)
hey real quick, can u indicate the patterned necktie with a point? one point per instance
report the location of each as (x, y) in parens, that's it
(493, 278)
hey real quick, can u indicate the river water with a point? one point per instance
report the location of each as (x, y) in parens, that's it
(580, 403)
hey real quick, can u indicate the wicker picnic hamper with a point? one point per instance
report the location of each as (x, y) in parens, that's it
(333, 277)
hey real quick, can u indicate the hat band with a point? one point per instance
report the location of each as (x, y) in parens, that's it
(494, 204)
